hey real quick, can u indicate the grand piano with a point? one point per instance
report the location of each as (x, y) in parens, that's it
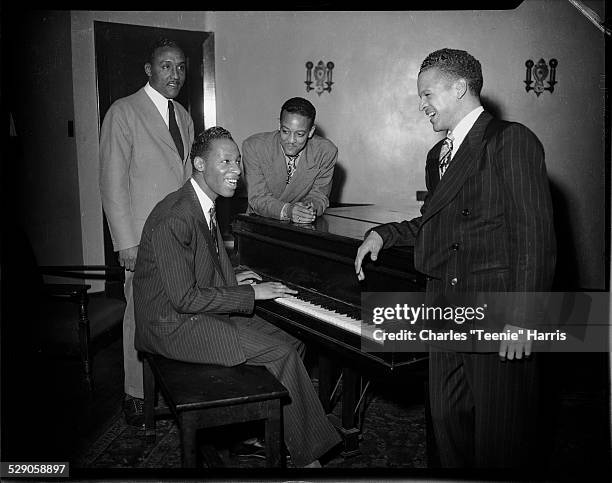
(318, 261)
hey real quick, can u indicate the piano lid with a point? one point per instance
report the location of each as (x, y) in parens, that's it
(354, 220)
(375, 213)
(346, 222)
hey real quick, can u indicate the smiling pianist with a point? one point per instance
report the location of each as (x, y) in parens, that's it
(191, 306)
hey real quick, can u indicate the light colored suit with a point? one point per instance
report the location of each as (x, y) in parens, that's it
(189, 307)
(266, 174)
(139, 165)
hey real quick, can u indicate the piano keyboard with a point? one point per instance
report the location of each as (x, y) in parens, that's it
(326, 309)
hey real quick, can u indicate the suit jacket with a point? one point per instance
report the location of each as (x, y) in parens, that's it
(184, 292)
(266, 174)
(487, 226)
(139, 163)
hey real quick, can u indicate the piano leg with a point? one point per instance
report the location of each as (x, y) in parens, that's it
(347, 423)
(349, 431)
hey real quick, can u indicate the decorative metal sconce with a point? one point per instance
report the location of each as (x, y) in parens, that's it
(540, 73)
(322, 75)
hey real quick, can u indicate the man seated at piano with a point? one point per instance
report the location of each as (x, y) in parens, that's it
(191, 306)
(289, 171)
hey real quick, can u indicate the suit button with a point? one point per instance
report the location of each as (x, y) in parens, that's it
(455, 246)
(466, 212)
(453, 281)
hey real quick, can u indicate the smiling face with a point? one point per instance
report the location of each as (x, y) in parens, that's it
(295, 131)
(440, 99)
(167, 71)
(219, 169)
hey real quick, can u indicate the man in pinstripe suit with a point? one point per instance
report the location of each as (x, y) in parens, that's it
(191, 306)
(486, 226)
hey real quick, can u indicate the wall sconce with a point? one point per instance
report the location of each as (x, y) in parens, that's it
(322, 75)
(540, 73)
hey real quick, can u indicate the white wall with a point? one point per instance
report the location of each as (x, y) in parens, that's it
(372, 112)
(86, 114)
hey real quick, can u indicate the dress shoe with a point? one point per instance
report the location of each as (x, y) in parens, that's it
(251, 448)
(133, 409)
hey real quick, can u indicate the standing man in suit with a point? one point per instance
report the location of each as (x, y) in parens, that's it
(289, 172)
(144, 144)
(190, 306)
(486, 226)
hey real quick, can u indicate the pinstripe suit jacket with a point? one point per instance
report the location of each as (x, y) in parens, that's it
(139, 163)
(487, 225)
(184, 292)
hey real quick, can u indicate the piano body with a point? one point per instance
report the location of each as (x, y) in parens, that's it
(318, 260)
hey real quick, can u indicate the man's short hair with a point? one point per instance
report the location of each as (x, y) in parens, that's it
(299, 105)
(456, 64)
(202, 142)
(160, 44)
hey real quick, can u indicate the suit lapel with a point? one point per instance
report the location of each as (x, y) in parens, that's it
(432, 170)
(299, 180)
(158, 124)
(196, 209)
(460, 168)
(279, 168)
(226, 264)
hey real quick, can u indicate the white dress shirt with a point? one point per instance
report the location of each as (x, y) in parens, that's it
(160, 102)
(463, 128)
(205, 202)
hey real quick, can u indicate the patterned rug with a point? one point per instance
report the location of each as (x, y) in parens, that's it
(393, 436)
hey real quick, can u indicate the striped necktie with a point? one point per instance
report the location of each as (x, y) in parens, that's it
(445, 154)
(213, 227)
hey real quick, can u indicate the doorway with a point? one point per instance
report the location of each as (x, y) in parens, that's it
(121, 51)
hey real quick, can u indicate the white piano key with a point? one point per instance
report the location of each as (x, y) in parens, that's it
(342, 321)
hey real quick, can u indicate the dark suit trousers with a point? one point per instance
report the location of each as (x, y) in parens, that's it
(484, 410)
(307, 432)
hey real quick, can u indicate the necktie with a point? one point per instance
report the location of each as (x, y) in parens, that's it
(174, 129)
(445, 154)
(213, 227)
(290, 167)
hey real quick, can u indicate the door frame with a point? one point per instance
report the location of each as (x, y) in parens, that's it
(190, 41)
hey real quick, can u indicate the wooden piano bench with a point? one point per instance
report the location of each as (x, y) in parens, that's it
(203, 396)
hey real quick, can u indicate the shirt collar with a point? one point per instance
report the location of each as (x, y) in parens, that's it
(205, 202)
(161, 103)
(298, 156)
(464, 126)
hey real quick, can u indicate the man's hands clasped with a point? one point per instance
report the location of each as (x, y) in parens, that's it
(302, 212)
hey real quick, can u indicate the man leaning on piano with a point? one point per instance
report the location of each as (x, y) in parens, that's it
(289, 171)
(190, 305)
